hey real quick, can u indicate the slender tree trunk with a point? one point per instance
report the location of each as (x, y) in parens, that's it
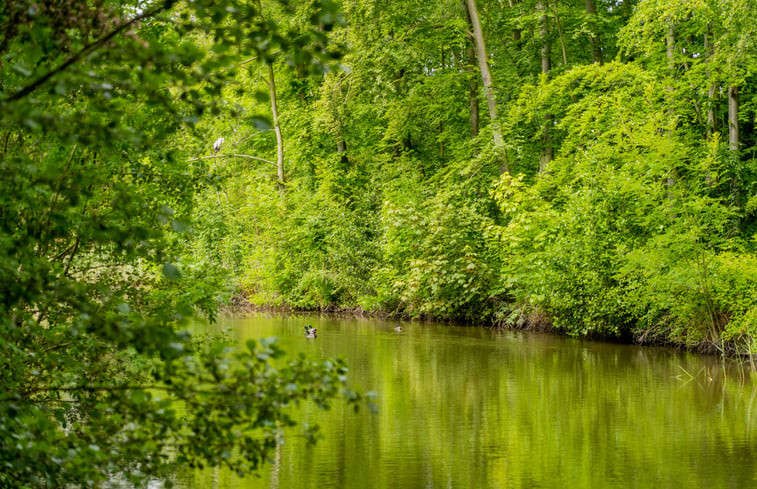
(486, 78)
(733, 142)
(546, 61)
(733, 118)
(338, 100)
(483, 65)
(473, 92)
(563, 48)
(276, 126)
(547, 153)
(712, 121)
(596, 53)
(670, 45)
(670, 41)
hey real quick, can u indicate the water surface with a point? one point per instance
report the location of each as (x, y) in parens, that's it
(470, 407)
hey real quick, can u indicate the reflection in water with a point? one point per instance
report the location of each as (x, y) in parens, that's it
(478, 408)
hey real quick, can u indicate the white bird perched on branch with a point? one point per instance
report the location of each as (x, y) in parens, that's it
(217, 145)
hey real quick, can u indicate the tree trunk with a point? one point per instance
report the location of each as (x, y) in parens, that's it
(712, 121)
(276, 126)
(733, 118)
(733, 141)
(596, 53)
(486, 78)
(473, 92)
(670, 43)
(546, 65)
(563, 48)
(546, 61)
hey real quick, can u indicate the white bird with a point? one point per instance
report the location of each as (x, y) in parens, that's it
(217, 145)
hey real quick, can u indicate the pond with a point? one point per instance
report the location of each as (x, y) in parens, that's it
(472, 407)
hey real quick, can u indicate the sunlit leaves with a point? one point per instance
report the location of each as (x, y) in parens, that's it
(624, 232)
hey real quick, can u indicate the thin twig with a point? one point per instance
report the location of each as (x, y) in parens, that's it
(71, 257)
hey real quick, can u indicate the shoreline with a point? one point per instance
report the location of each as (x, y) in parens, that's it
(537, 322)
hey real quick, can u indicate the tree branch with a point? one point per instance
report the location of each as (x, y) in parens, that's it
(233, 156)
(255, 58)
(86, 50)
(71, 257)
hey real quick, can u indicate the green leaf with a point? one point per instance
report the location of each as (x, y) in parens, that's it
(171, 272)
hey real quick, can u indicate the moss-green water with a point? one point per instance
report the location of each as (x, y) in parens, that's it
(476, 408)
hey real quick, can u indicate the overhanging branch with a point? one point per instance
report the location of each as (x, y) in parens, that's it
(86, 50)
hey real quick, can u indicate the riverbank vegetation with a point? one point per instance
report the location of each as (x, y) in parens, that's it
(583, 163)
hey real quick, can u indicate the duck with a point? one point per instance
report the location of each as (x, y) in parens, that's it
(397, 328)
(310, 332)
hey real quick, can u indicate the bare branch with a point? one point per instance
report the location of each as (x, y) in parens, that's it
(233, 156)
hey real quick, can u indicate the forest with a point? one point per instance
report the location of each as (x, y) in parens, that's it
(580, 166)
(586, 166)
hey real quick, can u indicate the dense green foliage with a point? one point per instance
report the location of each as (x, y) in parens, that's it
(98, 376)
(363, 166)
(628, 205)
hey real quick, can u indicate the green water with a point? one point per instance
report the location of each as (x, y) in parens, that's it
(466, 407)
